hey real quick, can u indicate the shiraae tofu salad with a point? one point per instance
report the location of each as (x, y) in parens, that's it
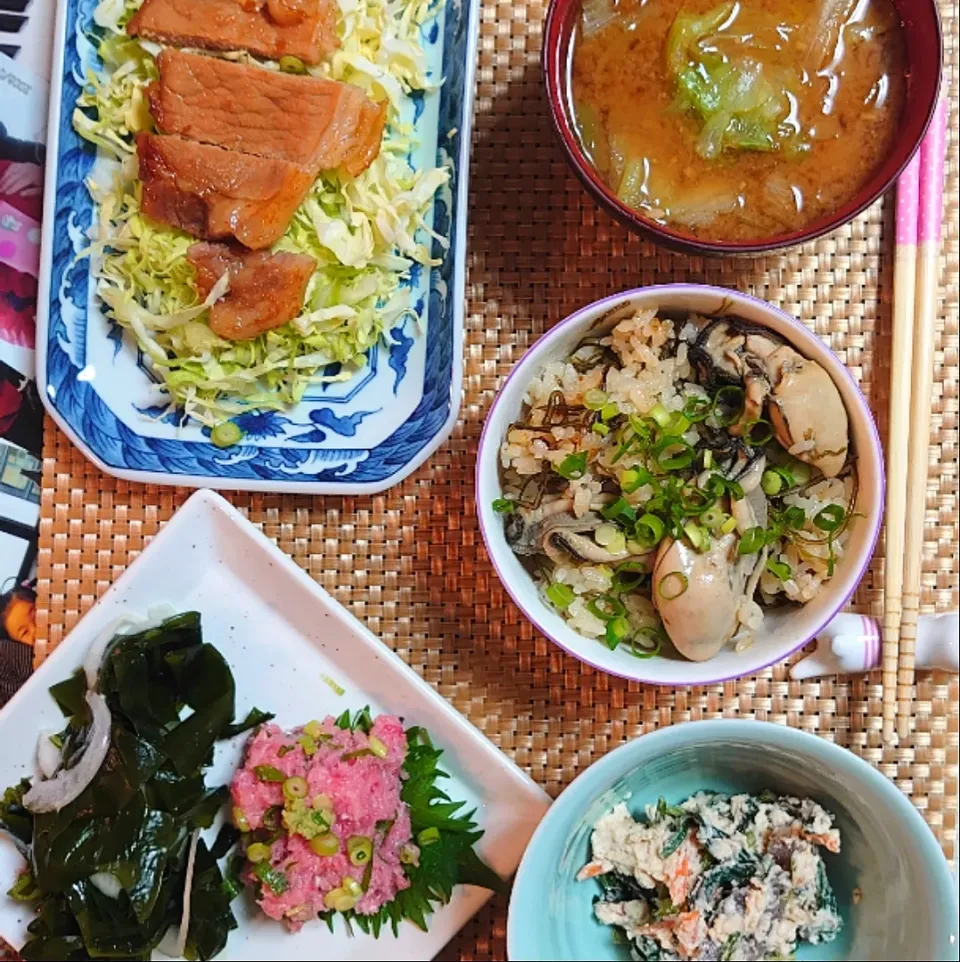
(716, 877)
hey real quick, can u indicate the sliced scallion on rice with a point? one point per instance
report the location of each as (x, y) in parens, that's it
(573, 466)
(672, 585)
(560, 595)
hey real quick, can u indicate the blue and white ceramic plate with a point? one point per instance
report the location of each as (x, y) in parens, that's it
(353, 437)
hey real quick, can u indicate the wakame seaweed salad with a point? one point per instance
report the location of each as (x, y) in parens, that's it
(108, 871)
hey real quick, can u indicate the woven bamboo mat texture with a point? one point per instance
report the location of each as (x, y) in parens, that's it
(411, 564)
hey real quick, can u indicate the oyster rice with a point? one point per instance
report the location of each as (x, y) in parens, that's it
(716, 877)
(670, 480)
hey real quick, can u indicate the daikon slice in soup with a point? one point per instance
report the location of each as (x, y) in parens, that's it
(737, 121)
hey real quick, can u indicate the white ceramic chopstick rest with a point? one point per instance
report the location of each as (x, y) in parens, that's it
(851, 643)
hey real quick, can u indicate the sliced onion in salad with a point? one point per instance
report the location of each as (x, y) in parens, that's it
(187, 890)
(54, 793)
(126, 624)
(49, 756)
(106, 883)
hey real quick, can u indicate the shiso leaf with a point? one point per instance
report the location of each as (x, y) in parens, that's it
(444, 864)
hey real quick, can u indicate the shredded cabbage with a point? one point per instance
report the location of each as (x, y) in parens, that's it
(365, 233)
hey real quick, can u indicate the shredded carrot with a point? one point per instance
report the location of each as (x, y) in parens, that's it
(687, 930)
(591, 871)
(831, 844)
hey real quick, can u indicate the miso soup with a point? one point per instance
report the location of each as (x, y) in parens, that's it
(739, 121)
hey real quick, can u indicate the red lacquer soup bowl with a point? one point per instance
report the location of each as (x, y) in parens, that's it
(924, 56)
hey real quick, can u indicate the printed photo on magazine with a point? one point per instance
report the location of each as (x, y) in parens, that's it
(24, 61)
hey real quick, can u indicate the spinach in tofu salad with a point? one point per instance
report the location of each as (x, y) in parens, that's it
(716, 877)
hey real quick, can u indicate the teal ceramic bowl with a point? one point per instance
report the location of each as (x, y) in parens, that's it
(907, 909)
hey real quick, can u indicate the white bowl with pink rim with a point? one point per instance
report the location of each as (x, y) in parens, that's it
(785, 629)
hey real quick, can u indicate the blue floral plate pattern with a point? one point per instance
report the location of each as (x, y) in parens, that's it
(349, 437)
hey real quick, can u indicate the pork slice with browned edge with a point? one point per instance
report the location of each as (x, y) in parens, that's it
(317, 123)
(306, 29)
(214, 193)
(266, 290)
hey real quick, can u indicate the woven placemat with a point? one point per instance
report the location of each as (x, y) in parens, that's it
(411, 564)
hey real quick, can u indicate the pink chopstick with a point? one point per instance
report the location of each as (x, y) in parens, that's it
(932, 161)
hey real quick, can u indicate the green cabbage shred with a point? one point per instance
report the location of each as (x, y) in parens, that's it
(366, 233)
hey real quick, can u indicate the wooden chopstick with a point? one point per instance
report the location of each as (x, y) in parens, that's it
(904, 287)
(932, 158)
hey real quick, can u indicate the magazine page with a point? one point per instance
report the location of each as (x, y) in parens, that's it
(24, 62)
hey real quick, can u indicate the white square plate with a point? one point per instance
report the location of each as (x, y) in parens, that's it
(281, 633)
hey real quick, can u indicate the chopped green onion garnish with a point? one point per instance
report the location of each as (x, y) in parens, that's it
(600, 428)
(359, 849)
(801, 471)
(351, 886)
(707, 458)
(729, 525)
(661, 415)
(308, 744)
(619, 510)
(752, 540)
(295, 787)
(794, 517)
(258, 852)
(408, 855)
(696, 536)
(240, 820)
(758, 432)
(269, 773)
(646, 643)
(672, 585)
(609, 536)
(671, 423)
(697, 408)
(428, 836)
(717, 484)
(728, 404)
(594, 399)
(617, 630)
(56, 741)
(830, 518)
(560, 595)
(606, 607)
(630, 440)
(649, 530)
(609, 410)
(313, 729)
(573, 466)
(674, 454)
(225, 434)
(356, 753)
(771, 482)
(634, 478)
(332, 685)
(377, 746)
(627, 576)
(503, 505)
(694, 500)
(274, 880)
(779, 568)
(290, 64)
(713, 517)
